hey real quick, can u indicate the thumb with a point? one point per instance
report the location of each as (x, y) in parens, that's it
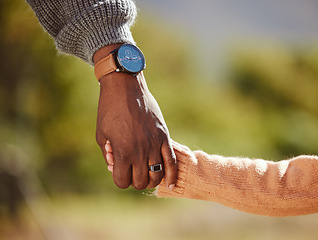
(170, 164)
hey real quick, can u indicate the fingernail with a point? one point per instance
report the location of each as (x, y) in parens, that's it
(171, 187)
(110, 168)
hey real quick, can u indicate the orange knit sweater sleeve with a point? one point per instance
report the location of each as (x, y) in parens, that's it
(285, 188)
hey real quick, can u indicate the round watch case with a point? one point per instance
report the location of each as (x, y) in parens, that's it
(129, 59)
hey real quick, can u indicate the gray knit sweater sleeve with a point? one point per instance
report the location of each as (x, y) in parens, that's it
(81, 27)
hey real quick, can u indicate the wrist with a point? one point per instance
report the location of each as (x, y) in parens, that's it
(118, 86)
(124, 58)
(118, 81)
(105, 51)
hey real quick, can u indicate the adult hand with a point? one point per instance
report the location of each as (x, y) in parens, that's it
(129, 116)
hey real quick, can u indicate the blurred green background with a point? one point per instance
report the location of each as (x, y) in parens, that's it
(53, 180)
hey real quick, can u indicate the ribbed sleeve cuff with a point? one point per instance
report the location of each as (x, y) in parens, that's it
(98, 25)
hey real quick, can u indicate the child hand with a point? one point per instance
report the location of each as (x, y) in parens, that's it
(109, 156)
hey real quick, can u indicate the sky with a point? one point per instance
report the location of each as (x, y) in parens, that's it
(288, 20)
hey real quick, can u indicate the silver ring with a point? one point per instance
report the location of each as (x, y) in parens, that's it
(156, 167)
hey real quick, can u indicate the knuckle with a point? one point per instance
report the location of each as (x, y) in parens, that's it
(122, 185)
(121, 155)
(128, 155)
(140, 185)
(139, 151)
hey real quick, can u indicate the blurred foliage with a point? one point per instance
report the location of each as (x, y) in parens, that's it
(283, 85)
(266, 107)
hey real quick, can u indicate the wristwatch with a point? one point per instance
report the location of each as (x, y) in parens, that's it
(127, 58)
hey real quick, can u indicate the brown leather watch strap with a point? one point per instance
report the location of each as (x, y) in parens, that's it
(105, 66)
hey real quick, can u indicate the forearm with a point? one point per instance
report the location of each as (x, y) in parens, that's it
(285, 188)
(82, 27)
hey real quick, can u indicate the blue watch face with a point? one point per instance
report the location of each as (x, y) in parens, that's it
(131, 58)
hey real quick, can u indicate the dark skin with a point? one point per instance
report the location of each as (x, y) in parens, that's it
(130, 118)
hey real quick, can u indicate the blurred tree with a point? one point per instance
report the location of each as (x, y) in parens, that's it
(284, 84)
(36, 98)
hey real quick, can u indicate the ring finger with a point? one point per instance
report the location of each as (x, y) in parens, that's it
(156, 173)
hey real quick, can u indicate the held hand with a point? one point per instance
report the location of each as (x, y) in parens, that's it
(131, 119)
(110, 160)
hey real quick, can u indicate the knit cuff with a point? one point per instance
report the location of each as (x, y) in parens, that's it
(101, 24)
(185, 160)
